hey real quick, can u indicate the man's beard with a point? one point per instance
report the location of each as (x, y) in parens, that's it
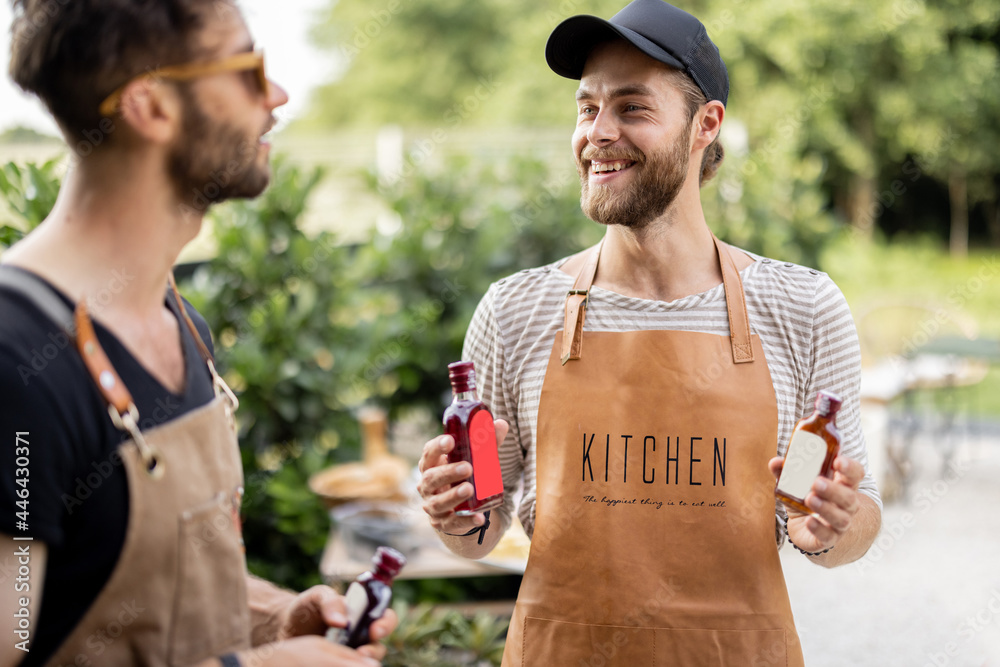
(654, 187)
(215, 161)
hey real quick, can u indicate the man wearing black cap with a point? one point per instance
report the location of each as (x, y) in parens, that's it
(645, 440)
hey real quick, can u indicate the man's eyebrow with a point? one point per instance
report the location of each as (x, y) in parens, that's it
(629, 90)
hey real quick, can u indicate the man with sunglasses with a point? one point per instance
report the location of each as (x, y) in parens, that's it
(120, 479)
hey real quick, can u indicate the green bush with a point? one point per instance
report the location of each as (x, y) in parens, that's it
(279, 305)
(458, 229)
(426, 637)
(30, 193)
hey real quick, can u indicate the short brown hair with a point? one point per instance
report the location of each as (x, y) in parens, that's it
(74, 53)
(714, 154)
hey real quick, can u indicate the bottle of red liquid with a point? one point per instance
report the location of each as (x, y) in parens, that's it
(814, 445)
(367, 598)
(470, 423)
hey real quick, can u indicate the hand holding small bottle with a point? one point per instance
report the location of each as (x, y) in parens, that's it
(444, 486)
(314, 611)
(833, 501)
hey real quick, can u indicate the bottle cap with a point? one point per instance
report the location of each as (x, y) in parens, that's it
(827, 403)
(389, 560)
(462, 375)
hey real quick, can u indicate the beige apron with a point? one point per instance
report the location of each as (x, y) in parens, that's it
(178, 592)
(654, 541)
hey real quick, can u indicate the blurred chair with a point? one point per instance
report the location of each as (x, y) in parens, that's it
(908, 347)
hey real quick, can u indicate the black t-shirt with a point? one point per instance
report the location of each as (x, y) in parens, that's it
(77, 486)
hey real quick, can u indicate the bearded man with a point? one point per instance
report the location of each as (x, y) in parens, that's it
(644, 440)
(121, 478)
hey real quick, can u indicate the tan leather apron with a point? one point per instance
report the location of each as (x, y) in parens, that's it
(654, 542)
(178, 592)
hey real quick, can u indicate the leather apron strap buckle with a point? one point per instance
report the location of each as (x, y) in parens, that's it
(121, 406)
(576, 308)
(578, 299)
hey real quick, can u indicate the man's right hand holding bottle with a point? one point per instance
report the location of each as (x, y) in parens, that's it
(443, 487)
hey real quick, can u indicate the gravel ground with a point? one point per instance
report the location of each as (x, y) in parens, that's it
(928, 592)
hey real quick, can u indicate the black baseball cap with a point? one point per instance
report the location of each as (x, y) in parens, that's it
(661, 31)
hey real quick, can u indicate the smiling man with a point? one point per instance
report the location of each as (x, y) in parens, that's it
(651, 385)
(120, 479)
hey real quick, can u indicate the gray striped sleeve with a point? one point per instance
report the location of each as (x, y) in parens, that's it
(800, 315)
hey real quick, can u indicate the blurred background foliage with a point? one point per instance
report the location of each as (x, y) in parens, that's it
(857, 104)
(861, 139)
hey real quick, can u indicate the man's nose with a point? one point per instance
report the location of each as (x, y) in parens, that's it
(604, 130)
(276, 95)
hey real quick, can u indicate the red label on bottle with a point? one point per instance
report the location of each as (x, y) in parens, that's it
(485, 459)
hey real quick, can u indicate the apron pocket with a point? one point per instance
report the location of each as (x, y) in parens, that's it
(210, 612)
(548, 643)
(720, 648)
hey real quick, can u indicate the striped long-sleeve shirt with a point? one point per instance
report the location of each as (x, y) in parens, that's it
(801, 317)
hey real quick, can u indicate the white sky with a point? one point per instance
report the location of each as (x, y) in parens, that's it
(278, 26)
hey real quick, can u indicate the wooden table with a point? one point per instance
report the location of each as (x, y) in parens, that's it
(430, 560)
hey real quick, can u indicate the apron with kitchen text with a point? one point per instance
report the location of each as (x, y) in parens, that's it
(654, 540)
(178, 593)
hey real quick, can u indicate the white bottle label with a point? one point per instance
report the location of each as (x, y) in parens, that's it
(356, 601)
(803, 462)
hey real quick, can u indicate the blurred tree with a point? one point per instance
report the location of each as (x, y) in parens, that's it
(19, 134)
(889, 100)
(886, 94)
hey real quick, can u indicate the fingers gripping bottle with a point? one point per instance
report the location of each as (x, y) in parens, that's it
(814, 445)
(470, 423)
(367, 598)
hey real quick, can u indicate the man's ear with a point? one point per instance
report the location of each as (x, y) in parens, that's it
(152, 109)
(708, 122)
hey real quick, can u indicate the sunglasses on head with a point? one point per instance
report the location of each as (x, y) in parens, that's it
(240, 62)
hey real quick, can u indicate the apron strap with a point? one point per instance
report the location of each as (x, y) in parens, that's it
(220, 386)
(80, 328)
(37, 292)
(576, 306)
(579, 297)
(736, 304)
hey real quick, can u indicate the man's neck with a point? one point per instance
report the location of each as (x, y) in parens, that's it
(112, 238)
(672, 257)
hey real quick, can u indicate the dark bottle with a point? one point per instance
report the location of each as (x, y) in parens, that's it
(367, 598)
(470, 423)
(814, 445)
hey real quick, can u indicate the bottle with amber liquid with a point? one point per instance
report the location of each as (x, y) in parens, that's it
(367, 598)
(470, 423)
(814, 445)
